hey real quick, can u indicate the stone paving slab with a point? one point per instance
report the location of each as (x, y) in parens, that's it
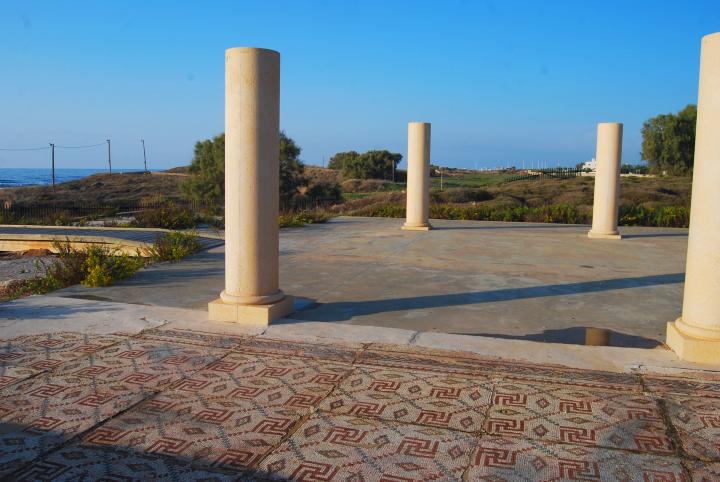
(170, 404)
(139, 236)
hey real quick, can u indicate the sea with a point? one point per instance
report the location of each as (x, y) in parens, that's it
(36, 177)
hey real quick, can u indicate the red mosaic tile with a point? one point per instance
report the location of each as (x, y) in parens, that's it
(63, 399)
(336, 352)
(591, 379)
(78, 462)
(511, 459)
(12, 375)
(697, 422)
(149, 364)
(192, 338)
(271, 381)
(65, 341)
(217, 432)
(46, 352)
(412, 358)
(704, 472)
(682, 386)
(40, 414)
(571, 415)
(329, 447)
(424, 398)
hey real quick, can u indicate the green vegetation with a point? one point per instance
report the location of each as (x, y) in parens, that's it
(456, 178)
(97, 266)
(294, 220)
(168, 216)
(368, 165)
(669, 142)
(174, 246)
(93, 266)
(662, 202)
(206, 183)
(674, 217)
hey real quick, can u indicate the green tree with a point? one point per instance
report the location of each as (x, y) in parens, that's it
(291, 170)
(207, 171)
(669, 142)
(371, 165)
(338, 160)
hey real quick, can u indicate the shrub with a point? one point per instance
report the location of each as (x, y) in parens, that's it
(293, 220)
(93, 266)
(170, 216)
(103, 266)
(325, 191)
(174, 246)
(461, 195)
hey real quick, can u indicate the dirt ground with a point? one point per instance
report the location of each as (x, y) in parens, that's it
(18, 266)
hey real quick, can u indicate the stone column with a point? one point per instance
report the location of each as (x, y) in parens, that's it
(608, 153)
(418, 177)
(252, 166)
(695, 336)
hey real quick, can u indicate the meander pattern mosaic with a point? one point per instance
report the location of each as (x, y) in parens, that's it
(184, 405)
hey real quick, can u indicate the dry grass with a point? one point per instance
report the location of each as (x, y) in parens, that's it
(97, 189)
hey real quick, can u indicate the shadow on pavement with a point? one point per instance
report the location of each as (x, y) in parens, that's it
(345, 310)
(578, 335)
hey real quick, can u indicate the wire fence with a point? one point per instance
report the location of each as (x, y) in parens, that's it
(70, 213)
(554, 173)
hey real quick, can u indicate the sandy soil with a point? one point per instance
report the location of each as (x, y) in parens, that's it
(15, 267)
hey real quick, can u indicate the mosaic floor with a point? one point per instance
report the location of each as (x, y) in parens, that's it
(182, 405)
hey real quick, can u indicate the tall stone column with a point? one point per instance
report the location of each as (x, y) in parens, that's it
(418, 177)
(252, 166)
(608, 153)
(695, 336)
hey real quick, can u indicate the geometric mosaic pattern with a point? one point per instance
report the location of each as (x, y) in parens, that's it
(572, 415)
(423, 398)
(329, 447)
(697, 422)
(40, 414)
(703, 472)
(217, 433)
(186, 405)
(151, 364)
(506, 458)
(74, 463)
(27, 356)
(295, 383)
(682, 386)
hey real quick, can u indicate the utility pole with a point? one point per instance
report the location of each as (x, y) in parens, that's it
(52, 146)
(109, 160)
(393, 165)
(441, 179)
(144, 156)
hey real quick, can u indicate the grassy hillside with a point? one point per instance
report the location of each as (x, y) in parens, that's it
(643, 201)
(116, 188)
(649, 201)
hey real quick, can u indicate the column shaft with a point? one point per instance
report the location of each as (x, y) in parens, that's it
(252, 164)
(418, 177)
(701, 302)
(607, 181)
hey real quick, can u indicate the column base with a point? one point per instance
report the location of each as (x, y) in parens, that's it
(593, 235)
(426, 227)
(219, 310)
(688, 348)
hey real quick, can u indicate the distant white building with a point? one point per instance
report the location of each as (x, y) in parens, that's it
(591, 165)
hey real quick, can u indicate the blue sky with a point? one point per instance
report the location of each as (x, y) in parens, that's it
(500, 81)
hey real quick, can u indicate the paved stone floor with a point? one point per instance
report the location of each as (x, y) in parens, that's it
(170, 404)
(523, 281)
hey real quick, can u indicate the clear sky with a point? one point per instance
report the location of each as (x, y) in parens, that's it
(501, 81)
